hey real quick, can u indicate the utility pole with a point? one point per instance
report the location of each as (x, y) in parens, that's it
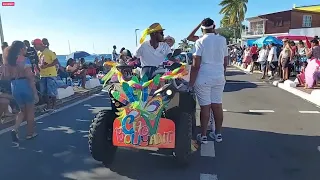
(1, 31)
(69, 47)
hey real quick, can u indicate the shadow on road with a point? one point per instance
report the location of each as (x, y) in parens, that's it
(248, 113)
(252, 155)
(235, 85)
(234, 73)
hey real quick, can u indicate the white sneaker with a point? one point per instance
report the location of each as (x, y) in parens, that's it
(202, 139)
(217, 137)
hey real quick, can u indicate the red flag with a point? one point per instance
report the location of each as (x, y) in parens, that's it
(308, 42)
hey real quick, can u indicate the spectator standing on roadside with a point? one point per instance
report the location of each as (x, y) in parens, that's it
(208, 78)
(33, 56)
(314, 52)
(18, 69)
(114, 53)
(45, 41)
(272, 60)
(5, 90)
(262, 59)
(48, 74)
(254, 53)
(284, 60)
(3, 46)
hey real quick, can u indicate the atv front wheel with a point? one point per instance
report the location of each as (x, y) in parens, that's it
(100, 137)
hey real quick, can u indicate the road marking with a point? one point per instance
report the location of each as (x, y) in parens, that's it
(58, 110)
(208, 177)
(224, 110)
(261, 111)
(207, 150)
(309, 112)
(246, 82)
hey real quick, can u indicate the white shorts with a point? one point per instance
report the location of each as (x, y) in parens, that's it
(209, 92)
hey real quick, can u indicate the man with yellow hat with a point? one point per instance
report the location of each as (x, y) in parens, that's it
(153, 52)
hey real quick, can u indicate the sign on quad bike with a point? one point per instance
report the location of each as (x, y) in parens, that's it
(145, 113)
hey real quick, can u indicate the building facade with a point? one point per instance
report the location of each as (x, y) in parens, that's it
(303, 21)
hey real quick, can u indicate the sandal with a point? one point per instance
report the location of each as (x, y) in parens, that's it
(5, 118)
(44, 110)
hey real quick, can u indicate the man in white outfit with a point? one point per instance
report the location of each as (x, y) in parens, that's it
(208, 77)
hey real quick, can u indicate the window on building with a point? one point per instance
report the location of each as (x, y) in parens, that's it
(278, 22)
(307, 21)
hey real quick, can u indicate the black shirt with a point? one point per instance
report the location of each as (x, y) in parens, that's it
(33, 56)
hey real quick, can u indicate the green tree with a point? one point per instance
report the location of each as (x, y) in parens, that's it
(234, 12)
(225, 21)
(185, 45)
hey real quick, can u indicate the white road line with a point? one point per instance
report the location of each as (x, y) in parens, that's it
(207, 150)
(224, 110)
(261, 111)
(309, 112)
(208, 177)
(246, 82)
(58, 110)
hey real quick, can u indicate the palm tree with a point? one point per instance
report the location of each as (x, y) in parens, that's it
(234, 12)
(185, 45)
(225, 21)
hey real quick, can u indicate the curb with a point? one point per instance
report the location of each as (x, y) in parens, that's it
(247, 71)
(312, 98)
(70, 99)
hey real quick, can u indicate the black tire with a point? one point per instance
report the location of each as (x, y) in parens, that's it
(183, 122)
(100, 137)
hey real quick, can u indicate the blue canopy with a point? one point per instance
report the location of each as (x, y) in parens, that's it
(250, 42)
(267, 40)
(78, 54)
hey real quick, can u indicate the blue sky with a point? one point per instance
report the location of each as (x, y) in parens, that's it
(104, 23)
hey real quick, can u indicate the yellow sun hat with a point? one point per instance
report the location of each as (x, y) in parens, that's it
(155, 27)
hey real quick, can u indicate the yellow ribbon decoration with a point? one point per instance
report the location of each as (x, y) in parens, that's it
(148, 31)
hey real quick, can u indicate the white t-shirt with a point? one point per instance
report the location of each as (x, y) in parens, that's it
(212, 49)
(150, 56)
(273, 53)
(263, 55)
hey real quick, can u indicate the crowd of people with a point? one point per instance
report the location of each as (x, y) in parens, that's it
(19, 66)
(285, 60)
(29, 74)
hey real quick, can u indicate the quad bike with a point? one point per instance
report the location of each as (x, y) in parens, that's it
(142, 115)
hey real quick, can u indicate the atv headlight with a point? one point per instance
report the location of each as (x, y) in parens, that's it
(169, 92)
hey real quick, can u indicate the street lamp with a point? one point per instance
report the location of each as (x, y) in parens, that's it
(135, 31)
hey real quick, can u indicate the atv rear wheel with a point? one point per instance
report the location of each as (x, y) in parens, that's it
(100, 137)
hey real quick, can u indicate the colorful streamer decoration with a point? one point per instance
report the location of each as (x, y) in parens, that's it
(139, 94)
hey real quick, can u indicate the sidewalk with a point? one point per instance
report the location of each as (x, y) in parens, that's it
(79, 94)
(311, 95)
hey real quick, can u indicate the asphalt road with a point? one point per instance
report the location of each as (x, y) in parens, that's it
(268, 134)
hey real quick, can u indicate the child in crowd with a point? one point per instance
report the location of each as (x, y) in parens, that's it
(301, 76)
(247, 57)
